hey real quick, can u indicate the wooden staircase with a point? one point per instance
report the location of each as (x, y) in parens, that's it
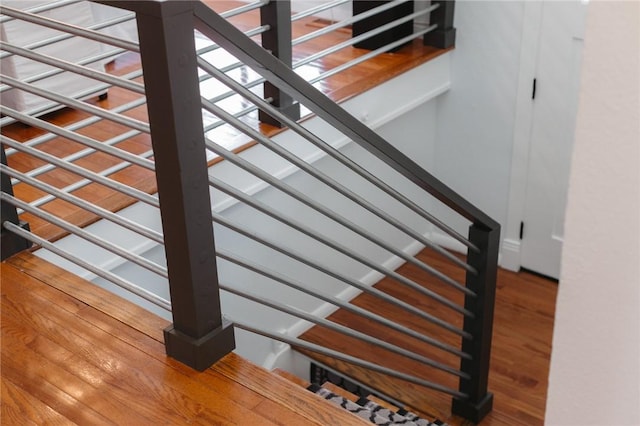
(520, 356)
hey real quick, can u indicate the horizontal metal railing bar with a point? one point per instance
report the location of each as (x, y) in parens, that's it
(303, 198)
(75, 104)
(244, 9)
(346, 22)
(353, 40)
(120, 282)
(94, 177)
(231, 39)
(371, 54)
(77, 69)
(87, 236)
(84, 153)
(217, 218)
(251, 33)
(317, 9)
(297, 225)
(346, 358)
(344, 191)
(47, 41)
(298, 313)
(298, 286)
(337, 155)
(56, 71)
(81, 124)
(84, 182)
(69, 28)
(238, 114)
(81, 139)
(79, 202)
(43, 8)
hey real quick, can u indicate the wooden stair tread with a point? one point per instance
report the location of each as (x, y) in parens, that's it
(291, 377)
(89, 367)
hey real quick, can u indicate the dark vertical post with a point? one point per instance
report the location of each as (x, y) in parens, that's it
(379, 19)
(277, 40)
(198, 336)
(10, 243)
(479, 401)
(444, 36)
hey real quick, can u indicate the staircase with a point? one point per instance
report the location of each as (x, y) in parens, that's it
(342, 207)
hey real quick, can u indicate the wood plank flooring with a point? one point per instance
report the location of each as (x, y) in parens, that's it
(339, 87)
(72, 353)
(523, 326)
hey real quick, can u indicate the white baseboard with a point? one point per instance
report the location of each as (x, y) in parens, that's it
(510, 255)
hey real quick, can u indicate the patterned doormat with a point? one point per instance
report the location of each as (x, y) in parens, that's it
(373, 412)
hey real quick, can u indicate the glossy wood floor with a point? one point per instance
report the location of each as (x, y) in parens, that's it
(339, 87)
(72, 353)
(523, 326)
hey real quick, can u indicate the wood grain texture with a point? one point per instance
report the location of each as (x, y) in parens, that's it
(65, 362)
(523, 326)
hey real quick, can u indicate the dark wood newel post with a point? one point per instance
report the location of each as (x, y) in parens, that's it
(480, 401)
(199, 336)
(277, 40)
(10, 242)
(444, 36)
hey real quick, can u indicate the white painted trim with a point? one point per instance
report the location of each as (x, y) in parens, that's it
(521, 134)
(510, 255)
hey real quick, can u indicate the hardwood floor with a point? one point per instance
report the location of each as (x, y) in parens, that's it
(72, 353)
(339, 87)
(523, 326)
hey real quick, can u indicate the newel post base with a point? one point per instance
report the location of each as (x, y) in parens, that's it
(201, 353)
(470, 411)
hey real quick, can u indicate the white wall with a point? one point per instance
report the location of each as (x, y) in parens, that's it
(476, 117)
(595, 363)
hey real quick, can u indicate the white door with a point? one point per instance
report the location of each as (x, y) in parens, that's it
(552, 132)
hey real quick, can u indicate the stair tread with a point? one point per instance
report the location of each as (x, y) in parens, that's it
(291, 377)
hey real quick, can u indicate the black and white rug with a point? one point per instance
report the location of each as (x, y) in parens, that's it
(373, 412)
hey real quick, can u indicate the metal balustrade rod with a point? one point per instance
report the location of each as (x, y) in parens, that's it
(300, 227)
(361, 37)
(56, 71)
(251, 33)
(69, 28)
(303, 198)
(87, 236)
(298, 313)
(120, 282)
(217, 218)
(244, 9)
(94, 177)
(341, 189)
(83, 140)
(45, 42)
(346, 358)
(81, 124)
(320, 8)
(346, 22)
(73, 103)
(79, 202)
(370, 55)
(86, 152)
(298, 286)
(84, 182)
(238, 114)
(43, 8)
(337, 155)
(77, 69)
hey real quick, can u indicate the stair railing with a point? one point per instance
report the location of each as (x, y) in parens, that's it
(200, 334)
